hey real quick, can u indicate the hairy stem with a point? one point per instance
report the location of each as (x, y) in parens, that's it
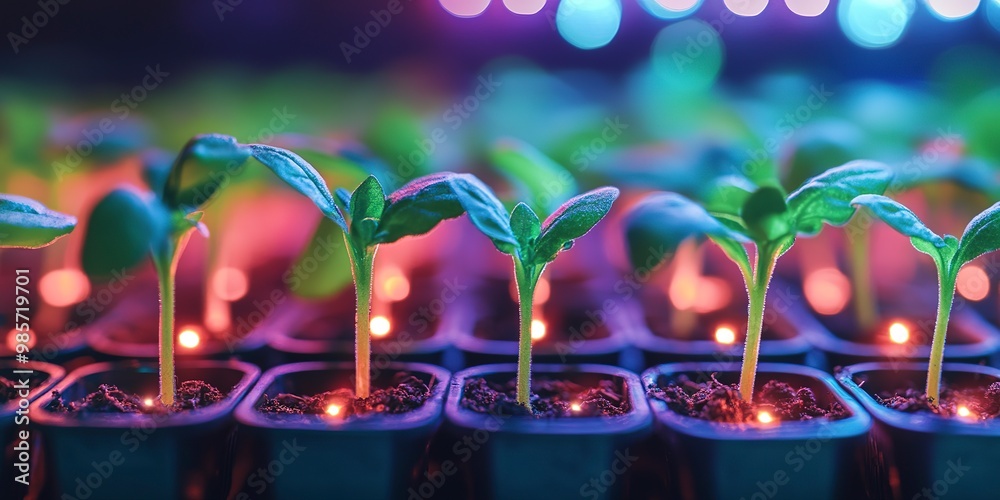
(757, 291)
(945, 296)
(165, 271)
(865, 307)
(526, 277)
(362, 266)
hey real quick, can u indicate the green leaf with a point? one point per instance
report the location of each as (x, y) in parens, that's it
(525, 225)
(368, 200)
(122, 230)
(301, 176)
(726, 195)
(572, 220)
(765, 215)
(942, 255)
(156, 169)
(485, 211)
(827, 197)
(417, 207)
(662, 221)
(547, 183)
(898, 217)
(205, 164)
(981, 236)
(25, 223)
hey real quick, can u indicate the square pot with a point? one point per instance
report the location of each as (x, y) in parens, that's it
(178, 455)
(922, 455)
(970, 340)
(505, 456)
(42, 377)
(584, 322)
(805, 459)
(302, 456)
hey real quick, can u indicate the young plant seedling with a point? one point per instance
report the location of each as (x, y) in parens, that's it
(128, 225)
(25, 223)
(739, 213)
(532, 244)
(374, 219)
(981, 236)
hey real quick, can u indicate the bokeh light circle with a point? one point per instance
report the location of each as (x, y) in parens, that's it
(588, 24)
(524, 7)
(465, 8)
(952, 10)
(807, 8)
(670, 9)
(687, 55)
(874, 24)
(746, 8)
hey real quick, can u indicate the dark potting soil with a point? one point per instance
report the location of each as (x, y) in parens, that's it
(190, 395)
(405, 393)
(983, 403)
(549, 399)
(718, 402)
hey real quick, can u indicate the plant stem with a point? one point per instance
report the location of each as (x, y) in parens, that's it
(757, 291)
(165, 266)
(945, 298)
(362, 267)
(526, 277)
(865, 307)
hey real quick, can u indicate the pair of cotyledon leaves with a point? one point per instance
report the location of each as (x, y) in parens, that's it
(26, 223)
(737, 212)
(981, 236)
(418, 206)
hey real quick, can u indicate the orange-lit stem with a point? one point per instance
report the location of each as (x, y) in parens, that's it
(757, 291)
(526, 277)
(165, 272)
(865, 307)
(946, 282)
(362, 266)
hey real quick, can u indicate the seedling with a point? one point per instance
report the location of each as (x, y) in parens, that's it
(25, 223)
(532, 244)
(981, 236)
(740, 213)
(375, 219)
(128, 225)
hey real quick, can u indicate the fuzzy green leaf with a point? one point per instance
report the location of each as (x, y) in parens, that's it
(827, 197)
(942, 255)
(981, 236)
(525, 225)
(765, 215)
(204, 165)
(417, 207)
(898, 217)
(368, 200)
(538, 176)
(661, 222)
(572, 220)
(25, 223)
(124, 227)
(485, 211)
(726, 195)
(301, 176)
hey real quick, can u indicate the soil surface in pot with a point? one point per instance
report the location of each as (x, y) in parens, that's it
(9, 390)
(191, 395)
(979, 403)
(405, 393)
(549, 398)
(717, 402)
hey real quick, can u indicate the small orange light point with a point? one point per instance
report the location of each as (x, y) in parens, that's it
(333, 410)
(899, 333)
(963, 411)
(538, 329)
(725, 335)
(380, 326)
(575, 406)
(765, 417)
(189, 338)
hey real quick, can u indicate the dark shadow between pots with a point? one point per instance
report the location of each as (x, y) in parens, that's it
(807, 459)
(924, 455)
(178, 455)
(506, 456)
(306, 456)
